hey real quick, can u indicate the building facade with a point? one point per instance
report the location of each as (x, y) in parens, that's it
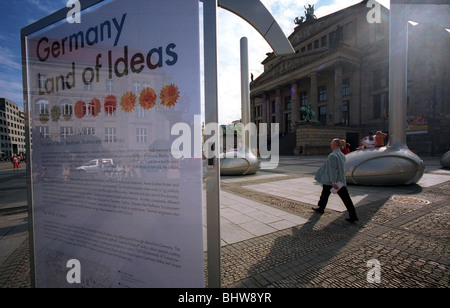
(12, 129)
(337, 84)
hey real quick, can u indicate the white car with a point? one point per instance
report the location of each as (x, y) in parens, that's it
(96, 165)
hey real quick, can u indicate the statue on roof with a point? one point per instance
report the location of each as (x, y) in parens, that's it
(299, 21)
(309, 13)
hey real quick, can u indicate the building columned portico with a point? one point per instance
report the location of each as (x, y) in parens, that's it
(340, 71)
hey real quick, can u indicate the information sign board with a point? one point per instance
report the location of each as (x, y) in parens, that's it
(107, 190)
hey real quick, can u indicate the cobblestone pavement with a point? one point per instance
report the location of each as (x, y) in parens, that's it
(409, 235)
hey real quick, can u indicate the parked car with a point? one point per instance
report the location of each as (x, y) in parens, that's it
(96, 165)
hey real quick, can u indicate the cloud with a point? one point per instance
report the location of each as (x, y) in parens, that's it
(47, 6)
(11, 89)
(9, 60)
(285, 11)
(230, 30)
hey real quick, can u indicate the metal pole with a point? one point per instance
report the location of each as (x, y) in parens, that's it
(245, 88)
(398, 54)
(245, 91)
(33, 278)
(213, 166)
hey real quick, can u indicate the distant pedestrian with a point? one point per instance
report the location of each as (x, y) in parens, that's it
(301, 151)
(15, 162)
(379, 139)
(368, 142)
(345, 148)
(332, 176)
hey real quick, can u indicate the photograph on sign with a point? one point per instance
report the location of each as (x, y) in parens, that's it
(107, 189)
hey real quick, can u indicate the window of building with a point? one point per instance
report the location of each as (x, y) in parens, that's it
(377, 79)
(304, 98)
(287, 103)
(322, 93)
(377, 106)
(316, 44)
(346, 113)
(88, 131)
(332, 38)
(110, 135)
(41, 106)
(273, 107)
(141, 135)
(323, 115)
(386, 106)
(140, 112)
(309, 46)
(66, 108)
(41, 81)
(258, 111)
(346, 87)
(110, 110)
(88, 87)
(324, 41)
(303, 49)
(66, 131)
(136, 87)
(287, 122)
(109, 86)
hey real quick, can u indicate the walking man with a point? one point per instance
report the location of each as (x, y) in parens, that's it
(332, 176)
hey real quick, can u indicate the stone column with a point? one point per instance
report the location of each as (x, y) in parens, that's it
(265, 108)
(295, 103)
(278, 108)
(314, 94)
(337, 95)
(252, 109)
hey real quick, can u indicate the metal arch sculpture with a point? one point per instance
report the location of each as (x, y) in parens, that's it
(257, 15)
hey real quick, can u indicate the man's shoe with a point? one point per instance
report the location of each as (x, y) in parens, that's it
(351, 219)
(317, 210)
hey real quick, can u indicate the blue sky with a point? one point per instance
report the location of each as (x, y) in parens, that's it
(17, 14)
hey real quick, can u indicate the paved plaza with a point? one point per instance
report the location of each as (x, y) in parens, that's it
(271, 238)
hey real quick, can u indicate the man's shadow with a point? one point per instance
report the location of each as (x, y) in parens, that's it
(317, 242)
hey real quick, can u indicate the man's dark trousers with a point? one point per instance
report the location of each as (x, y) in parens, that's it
(345, 197)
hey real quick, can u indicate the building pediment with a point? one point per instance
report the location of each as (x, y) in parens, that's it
(299, 62)
(308, 29)
(288, 64)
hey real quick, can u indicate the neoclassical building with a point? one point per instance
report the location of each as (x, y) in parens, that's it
(337, 83)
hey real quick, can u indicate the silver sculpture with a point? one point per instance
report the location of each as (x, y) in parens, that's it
(394, 164)
(445, 160)
(244, 161)
(235, 163)
(384, 166)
